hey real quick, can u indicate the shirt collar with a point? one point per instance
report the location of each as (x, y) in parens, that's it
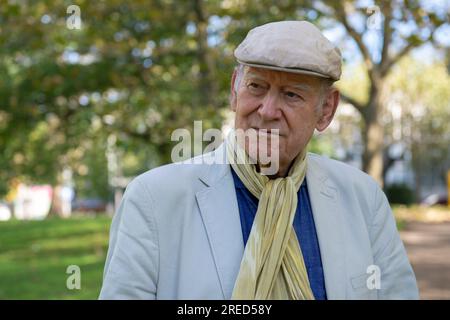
(240, 185)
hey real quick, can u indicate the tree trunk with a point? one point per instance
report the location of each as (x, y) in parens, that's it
(373, 136)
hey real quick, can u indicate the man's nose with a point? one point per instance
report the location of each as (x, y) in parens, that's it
(270, 107)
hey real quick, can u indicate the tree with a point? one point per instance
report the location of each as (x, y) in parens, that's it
(134, 70)
(137, 70)
(415, 119)
(393, 16)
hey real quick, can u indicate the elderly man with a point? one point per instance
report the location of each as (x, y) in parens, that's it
(314, 228)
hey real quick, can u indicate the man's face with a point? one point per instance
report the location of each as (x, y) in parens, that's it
(268, 99)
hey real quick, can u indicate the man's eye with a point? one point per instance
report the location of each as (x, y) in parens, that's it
(254, 85)
(255, 88)
(292, 95)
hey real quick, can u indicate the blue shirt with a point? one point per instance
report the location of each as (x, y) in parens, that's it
(303, 225)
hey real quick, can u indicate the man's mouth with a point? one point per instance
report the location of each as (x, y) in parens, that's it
(265, 131)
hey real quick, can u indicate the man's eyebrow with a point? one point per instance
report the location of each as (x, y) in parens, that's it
(300, 86)
(253, 75)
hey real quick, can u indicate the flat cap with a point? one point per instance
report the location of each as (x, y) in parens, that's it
(290, 46)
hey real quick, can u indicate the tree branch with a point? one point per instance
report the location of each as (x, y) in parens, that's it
(406, 49)
(387, 31)
(390, 62)
(341, 14)
(358, 106)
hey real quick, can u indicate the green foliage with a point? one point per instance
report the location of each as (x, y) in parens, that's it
(399, 194)
(355, 83)
(136, 70)
(321, 144)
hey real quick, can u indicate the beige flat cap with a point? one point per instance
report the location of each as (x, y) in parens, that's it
(290, 46)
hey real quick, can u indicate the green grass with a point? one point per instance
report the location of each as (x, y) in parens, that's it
(34, 256)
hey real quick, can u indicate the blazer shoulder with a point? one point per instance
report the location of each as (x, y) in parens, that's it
(356, 189)
(341, 172)
(174, 177)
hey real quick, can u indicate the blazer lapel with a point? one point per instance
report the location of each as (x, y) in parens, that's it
(327, 208)
(220, 213)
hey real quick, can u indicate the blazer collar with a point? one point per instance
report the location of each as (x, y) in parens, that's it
(220, 213)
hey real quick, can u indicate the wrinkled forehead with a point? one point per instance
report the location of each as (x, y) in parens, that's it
(281, 77)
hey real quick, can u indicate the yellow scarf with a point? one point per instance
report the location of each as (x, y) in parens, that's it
(272, 266)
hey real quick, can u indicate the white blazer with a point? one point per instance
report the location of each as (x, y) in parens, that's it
(177, 234)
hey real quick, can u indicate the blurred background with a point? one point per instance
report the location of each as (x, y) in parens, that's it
(90, 92)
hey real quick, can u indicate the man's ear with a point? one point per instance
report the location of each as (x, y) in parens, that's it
(328, 109)
(233, 94)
